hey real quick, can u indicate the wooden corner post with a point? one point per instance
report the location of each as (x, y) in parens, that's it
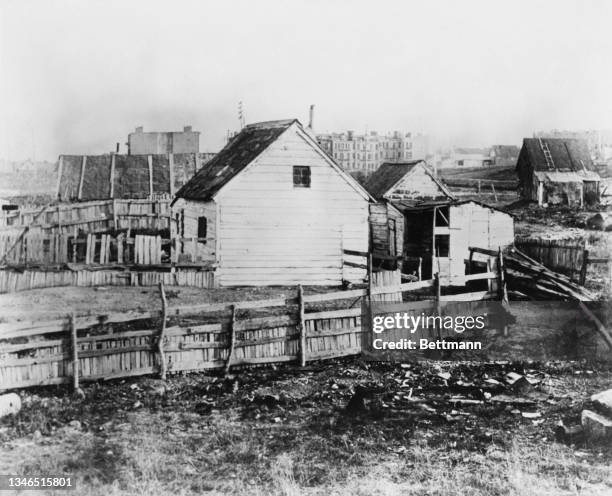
(302, 326)
(162, 332)
(232, 340)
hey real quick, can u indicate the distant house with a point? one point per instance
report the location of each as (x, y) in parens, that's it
(557, 171)
(406, 181)
(504, 155)
(441, 233)
(272, 208)
(101, 177)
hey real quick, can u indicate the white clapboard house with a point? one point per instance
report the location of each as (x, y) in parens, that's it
(272, 208)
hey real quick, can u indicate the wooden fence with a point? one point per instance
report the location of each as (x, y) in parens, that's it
(12, 281)
(188, 338)
(93, 216)
(568, 256)
(103, 249)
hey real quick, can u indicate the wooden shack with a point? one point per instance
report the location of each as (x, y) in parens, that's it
(441, 233)
(555, 171)
(406, 182)
(272, 208)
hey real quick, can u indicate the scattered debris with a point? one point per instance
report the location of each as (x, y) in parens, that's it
(9, 404)
(597, 427)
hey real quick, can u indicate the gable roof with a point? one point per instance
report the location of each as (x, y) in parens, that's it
(389, 174)
(568, 155)
(239, 152)
(242, 150)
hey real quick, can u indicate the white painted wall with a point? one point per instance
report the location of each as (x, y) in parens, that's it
(271, 232)
(416, 184)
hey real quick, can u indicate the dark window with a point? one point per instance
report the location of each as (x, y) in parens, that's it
(442, 245)
(202, 228)
(301, 176)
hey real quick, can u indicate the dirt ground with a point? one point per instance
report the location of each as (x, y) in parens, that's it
(422, 428)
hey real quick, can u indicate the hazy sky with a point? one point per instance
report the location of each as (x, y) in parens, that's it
(77, 76)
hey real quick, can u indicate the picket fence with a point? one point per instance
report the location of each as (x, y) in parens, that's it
(89, 249)
(298, 328)
(12, 281)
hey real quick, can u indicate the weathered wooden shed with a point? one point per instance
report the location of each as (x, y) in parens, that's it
(272, 208)
(441, 233)
(406, 181)
(557, 171)
(387, 232)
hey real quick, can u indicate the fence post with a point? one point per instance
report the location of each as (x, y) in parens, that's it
(583, 269)
(75, 357)
(501, 290)
(162, 332)
(232, 340)
(302, 326)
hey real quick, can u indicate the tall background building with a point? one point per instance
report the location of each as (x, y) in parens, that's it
(156, 143)
(365, 152)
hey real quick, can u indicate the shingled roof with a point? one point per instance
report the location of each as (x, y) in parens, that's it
(568, 155)
(233, 158)
(388, 174)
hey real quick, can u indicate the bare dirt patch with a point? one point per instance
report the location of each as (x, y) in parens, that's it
(288, 431)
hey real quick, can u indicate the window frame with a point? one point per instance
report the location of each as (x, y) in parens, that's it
(303, 180)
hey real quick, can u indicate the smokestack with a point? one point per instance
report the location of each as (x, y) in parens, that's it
(117, 147)
(311, 120)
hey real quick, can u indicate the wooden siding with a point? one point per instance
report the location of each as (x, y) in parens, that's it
(381, 217)
(474, 225)
(271, 232)
(416, 184)
(204, 251)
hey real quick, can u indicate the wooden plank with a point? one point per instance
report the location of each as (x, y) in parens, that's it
(60, 168)
(334, 332)
(356, 253)
(302, 326)
(356, 265)
(265, 322)
(150, 162)
(476, 296)
(333, 314)
(161, 337)
(83, 163)
(337, 295)
(232, 341)
(112, 184)
(171, 173)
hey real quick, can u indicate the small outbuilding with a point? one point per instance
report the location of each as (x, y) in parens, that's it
(441, 233)
(272, 208)
(554, 171)
(406, 182)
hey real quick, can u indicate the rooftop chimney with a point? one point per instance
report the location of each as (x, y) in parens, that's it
(139, 129)
(186, 129)
(311, 119)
